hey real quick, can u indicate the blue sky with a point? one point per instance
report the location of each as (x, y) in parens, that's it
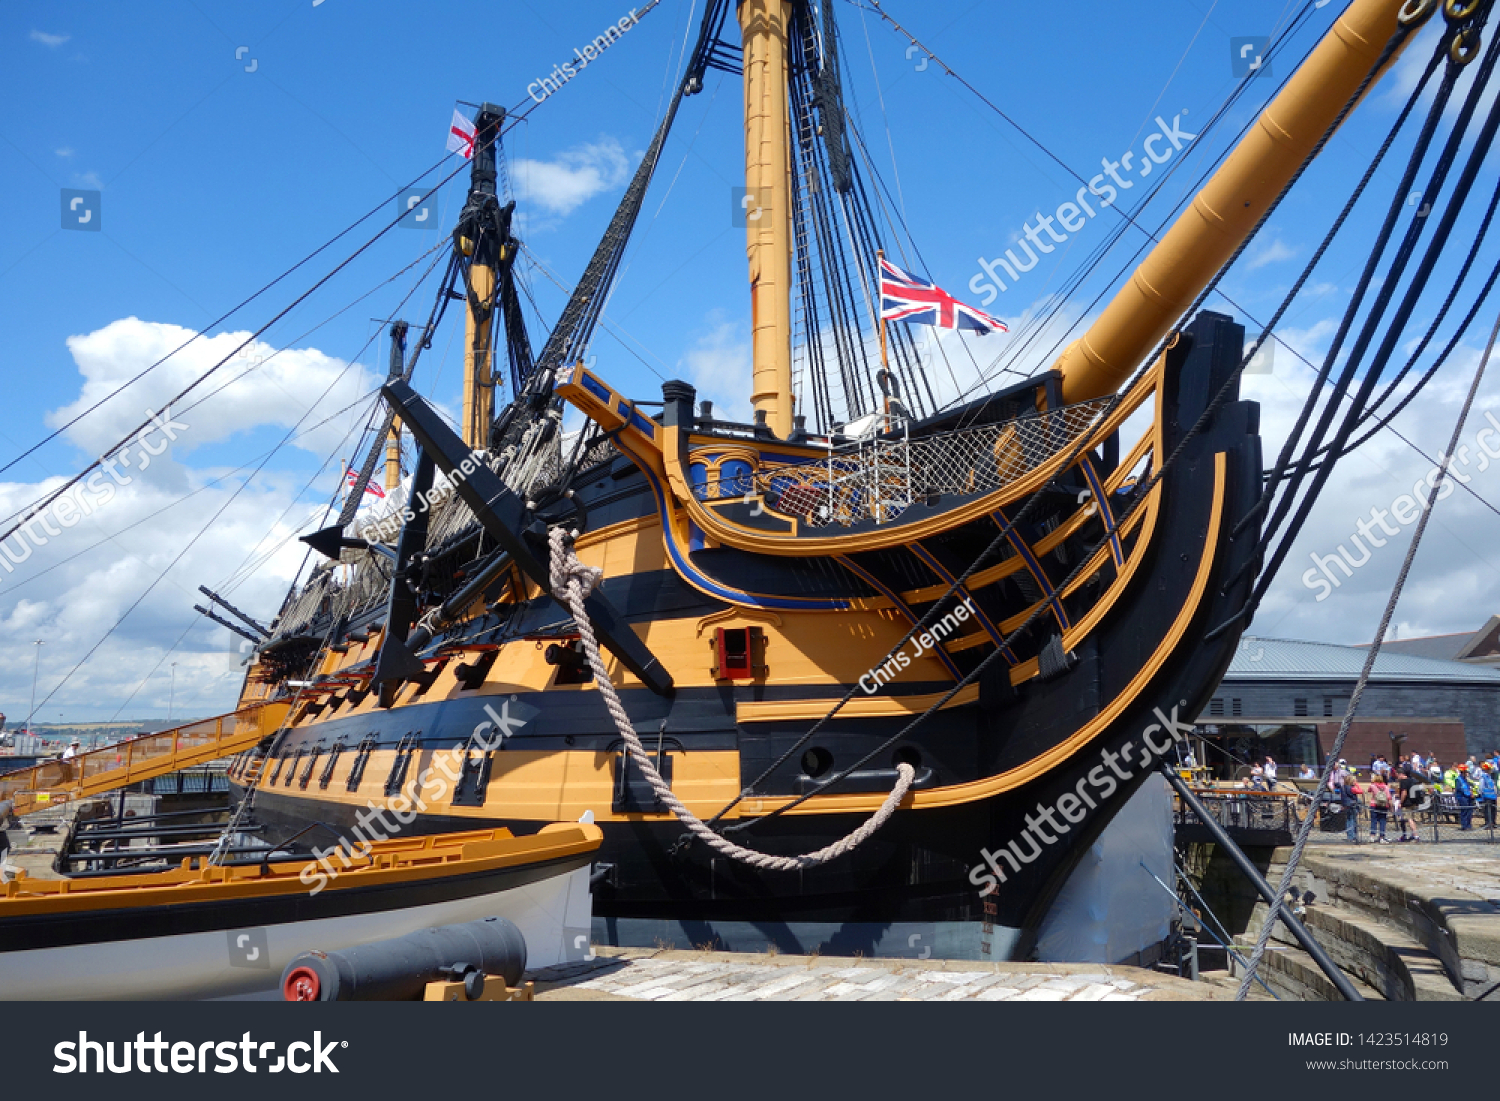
(229, 139)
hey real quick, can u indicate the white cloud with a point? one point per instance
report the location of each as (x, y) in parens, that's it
(262, 385)
(718, 365)
(562, 185)
(65, 152)
(1455, 583)
(51, 40)
(1271, 253)
(88, 180)
(70, 588)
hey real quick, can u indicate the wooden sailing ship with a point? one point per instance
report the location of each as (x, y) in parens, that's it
(1008, 596)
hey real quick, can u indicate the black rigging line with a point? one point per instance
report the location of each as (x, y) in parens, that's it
(1442, 357)
(1459, 33)
(1143, 493)
(291, 433)
(1034, 329)
(36, 507)
(384, 204)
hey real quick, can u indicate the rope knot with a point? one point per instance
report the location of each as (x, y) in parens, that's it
(567, 571)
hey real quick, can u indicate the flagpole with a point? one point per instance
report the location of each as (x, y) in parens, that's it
(880, 299)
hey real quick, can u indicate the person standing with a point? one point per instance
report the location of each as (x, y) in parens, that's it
(7, 819)
(1380, 807)
(1346, 792)
(1408, 798)
(1487, 792)
(1270, 771)
(1463, 790)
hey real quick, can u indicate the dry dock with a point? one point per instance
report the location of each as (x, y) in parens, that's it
(643, 974)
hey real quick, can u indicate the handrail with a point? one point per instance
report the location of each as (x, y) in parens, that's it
(142, 758)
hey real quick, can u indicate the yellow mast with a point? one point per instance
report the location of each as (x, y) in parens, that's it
(479, 359)
(393, 456)
(764, 25)
(1201, 241)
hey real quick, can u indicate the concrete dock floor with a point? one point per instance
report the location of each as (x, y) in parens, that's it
(644, 974)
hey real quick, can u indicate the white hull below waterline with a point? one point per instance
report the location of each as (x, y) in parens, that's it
(552, 914)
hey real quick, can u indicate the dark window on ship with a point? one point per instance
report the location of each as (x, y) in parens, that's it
(326, 777)
(312, 762)
(291, 773)
(736, 653)
(1234, 705)
(405, 750)
(1216, 707)
(361, 759)
(1299, 708)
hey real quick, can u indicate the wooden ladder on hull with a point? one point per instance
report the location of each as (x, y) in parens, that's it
(146, 757)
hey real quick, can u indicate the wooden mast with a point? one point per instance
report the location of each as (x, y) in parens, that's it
(476, 241)
(764, 27)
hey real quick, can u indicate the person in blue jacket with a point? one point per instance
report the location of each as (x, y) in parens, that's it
(1463, 791)
(1487, 793)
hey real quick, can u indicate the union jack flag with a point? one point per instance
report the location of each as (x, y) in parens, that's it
(905, 297)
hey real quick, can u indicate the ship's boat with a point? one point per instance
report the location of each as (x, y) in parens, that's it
(982, 624)
(212, 929)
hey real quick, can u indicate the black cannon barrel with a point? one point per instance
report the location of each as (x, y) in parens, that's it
(399, 969)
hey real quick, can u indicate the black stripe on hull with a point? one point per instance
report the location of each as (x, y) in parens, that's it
(103, 926)
(918, 867)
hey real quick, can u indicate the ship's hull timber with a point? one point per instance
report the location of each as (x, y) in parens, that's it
(1002, 750)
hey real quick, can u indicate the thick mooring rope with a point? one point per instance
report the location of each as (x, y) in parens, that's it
(572, 582)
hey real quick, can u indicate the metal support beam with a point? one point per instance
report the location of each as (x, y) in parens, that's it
(503, 514)
(1267, 892)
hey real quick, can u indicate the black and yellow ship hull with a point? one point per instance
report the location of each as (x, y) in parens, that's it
(1130, 637)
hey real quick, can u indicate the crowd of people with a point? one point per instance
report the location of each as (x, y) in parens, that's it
(1392, 794)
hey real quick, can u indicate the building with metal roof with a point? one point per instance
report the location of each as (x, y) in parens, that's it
(1481, 647)
(1285, 699)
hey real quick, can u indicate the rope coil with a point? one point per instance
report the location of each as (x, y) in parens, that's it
(572, 582)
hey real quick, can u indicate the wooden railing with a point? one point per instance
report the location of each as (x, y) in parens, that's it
(150, 755)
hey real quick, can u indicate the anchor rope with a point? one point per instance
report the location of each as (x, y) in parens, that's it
(572, 581)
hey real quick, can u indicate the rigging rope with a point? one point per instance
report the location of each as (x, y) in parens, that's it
(1378, 312)
(35, 509)
(1230, 382)
(572, 581)
(382, 205)
(1364, 675)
